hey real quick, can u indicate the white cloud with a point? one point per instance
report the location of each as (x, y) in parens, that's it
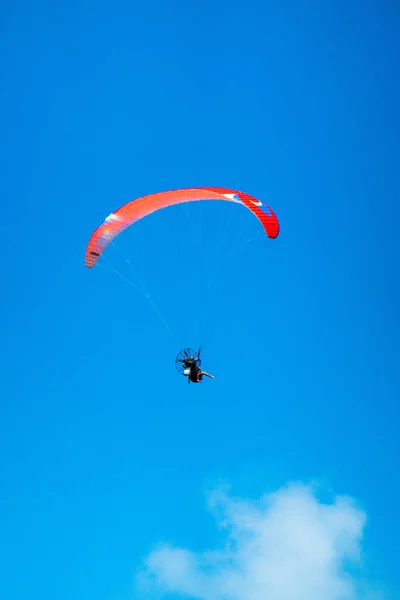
(287, 546)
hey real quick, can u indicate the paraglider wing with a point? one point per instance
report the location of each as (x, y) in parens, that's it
(135, 210)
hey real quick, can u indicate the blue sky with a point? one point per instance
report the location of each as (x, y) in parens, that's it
(105, 451)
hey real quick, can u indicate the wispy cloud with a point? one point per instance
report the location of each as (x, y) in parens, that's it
(287, 546)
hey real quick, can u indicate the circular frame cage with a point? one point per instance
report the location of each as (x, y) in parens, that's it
(183, 356)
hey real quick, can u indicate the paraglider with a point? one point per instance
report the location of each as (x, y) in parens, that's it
(188, 361)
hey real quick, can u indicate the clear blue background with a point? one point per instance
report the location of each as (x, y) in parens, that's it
(104, 448)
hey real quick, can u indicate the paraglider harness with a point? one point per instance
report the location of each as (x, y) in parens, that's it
(188, 363)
